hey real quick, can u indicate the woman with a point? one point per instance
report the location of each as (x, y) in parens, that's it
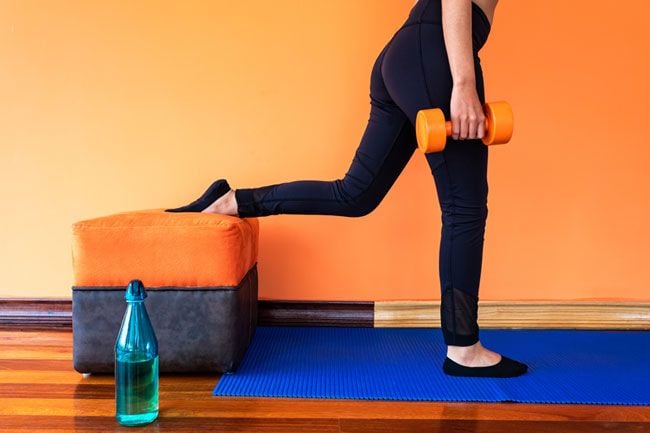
(431, 61)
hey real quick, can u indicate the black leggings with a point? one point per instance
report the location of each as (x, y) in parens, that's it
(411, 73)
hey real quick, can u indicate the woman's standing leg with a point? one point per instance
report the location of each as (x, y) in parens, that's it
(459, 171)
(417, 75)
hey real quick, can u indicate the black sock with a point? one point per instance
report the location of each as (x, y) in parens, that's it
(505, 368)
(216, 190)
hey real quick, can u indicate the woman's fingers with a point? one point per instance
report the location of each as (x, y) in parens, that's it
(455, 127)
(480, 131)
(459, 127)
(467, 117)
(473, 126)
(480, 123)
(464, 126)
(469, 125)
(477, 125)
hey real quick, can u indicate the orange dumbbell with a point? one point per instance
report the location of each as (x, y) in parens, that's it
(432, 130)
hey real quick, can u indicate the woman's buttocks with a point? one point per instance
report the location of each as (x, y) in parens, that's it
(430, 12)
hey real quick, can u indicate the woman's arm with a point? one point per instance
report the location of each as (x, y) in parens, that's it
(467, 117)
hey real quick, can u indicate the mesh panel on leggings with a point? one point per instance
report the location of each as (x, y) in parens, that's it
(459, 317)
(249, 199)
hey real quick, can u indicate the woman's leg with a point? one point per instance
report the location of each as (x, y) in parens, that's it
(460, 173)
(386, 147)
(417, 75)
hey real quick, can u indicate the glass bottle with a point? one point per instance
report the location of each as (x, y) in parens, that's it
(136, 362)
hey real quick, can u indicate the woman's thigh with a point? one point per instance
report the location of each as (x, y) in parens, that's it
(417, 76)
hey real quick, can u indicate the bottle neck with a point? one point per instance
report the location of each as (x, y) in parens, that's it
(136, 333)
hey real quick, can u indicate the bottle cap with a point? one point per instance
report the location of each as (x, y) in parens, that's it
(135, 291)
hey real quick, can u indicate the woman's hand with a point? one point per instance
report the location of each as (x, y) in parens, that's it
(467, 117)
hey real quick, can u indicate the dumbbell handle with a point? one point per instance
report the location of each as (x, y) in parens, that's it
(449, 126)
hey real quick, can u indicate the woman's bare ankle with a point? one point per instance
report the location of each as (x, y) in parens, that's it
(224, 205)
(464, 353)
(232, 203)
(228, 204)
(473, 356)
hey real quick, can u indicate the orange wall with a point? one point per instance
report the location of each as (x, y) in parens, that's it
(120, 105)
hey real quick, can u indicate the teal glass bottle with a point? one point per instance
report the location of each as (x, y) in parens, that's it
(136, 362)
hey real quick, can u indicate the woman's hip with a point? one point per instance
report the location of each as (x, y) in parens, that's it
(430, 12)
(416, 73)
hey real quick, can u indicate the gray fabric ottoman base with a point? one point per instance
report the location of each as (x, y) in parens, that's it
(199, 329)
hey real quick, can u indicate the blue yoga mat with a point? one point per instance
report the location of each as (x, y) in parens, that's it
(564, 366)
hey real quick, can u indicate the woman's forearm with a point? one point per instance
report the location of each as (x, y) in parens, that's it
(457, 30)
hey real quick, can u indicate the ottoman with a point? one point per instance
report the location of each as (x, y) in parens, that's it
(200, 274)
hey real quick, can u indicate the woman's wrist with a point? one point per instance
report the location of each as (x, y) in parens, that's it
(464, 82)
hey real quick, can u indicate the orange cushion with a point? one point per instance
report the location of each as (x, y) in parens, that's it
(181, 249)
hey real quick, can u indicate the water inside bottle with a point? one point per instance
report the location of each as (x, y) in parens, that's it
(136, 391)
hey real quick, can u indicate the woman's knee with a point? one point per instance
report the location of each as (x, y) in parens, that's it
(356, 199)
(360, 206)
(465, 214)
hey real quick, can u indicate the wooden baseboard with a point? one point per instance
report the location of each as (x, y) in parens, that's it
(53, 314)
(41, 314)
(309, 313)
(56, 314)
(522, 314)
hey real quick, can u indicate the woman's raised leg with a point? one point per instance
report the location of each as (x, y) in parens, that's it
(386, 146)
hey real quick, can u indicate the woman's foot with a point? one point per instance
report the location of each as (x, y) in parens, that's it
(211, 201)
(225, 205)
(477, 361)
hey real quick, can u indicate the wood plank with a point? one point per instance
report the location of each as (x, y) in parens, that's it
(19, 313)
(185, 392)
(35, 364)
(49, 313)
(315, 313)
(209, 406)
(73, 377)
(25, 314)
(36, 352)
(168, 424)
(308, 425)
(487, 426)
(39, 338)
(167, 391)
(521, 314)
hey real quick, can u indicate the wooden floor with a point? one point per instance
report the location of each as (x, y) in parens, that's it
(40, 392)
